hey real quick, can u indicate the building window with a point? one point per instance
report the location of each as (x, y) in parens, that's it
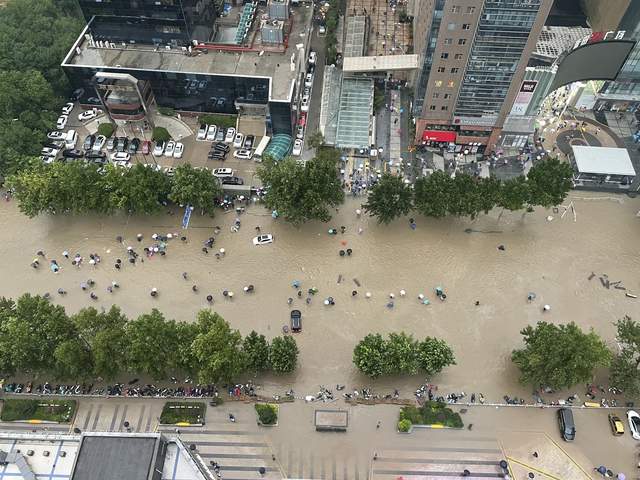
(448, 41)
(447, 96)
(462, 41)
(458, 56)
(471, 10)
(432, 107)
(438, 83)
(451, 84)
(466, 26)
(436, 95)
(444, 107)
(440, 69)
(455, 70)
(451, 26)
(455, 9)
(444, 55)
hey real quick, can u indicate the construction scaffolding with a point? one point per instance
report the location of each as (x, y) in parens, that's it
(387, 34)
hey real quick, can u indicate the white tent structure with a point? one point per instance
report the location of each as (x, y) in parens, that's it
(602, 165)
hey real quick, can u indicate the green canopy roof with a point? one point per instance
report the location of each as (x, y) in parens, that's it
(279, 147)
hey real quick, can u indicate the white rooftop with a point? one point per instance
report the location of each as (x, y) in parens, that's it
(603, 160)
(382, 63)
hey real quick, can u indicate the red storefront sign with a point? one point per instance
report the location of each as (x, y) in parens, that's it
(438, 136)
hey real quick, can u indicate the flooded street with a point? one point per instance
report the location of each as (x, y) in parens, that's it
(553, 259)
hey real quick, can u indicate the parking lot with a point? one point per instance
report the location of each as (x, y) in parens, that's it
(183, 131)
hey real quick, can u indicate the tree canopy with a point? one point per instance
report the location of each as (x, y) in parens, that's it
(195, 187)
(389, 198)
(624, 366)
(283, 355)
(559, 356)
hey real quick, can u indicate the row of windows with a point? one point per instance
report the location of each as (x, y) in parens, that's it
(453, 70)
(444, 108)
(458, 9)
(453, 26)
(457, 56)
(449, 41)
(446, 96)
(450, 83)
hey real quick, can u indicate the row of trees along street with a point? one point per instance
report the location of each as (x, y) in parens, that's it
(39, 338)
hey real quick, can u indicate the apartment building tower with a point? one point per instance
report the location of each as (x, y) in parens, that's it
(473, 55)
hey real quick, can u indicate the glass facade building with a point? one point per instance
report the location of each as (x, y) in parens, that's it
(502, 34)
(427, 55)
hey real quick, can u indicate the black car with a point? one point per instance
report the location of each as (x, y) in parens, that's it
(134, 146)
(566, 424)
(88, 142)
(54, 145)
(121, 144)
(98, 160)
(248, 142)
(217, 156)
(232, 181)
(94, 155)
(296, 320)
(221, 146)
(72, 153)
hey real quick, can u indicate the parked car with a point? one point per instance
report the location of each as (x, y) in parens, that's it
(223, 172)
(322, 30)
(88, 114)
(211, 132)
(99, 143)
(296, 320)
(263, 239)
(220, 135)
(230, 135)
(220, 156)
(88, 142)
(634, 424)
(221, 146)
(111, 143)
(567, 425)
(304, 105)
(232, 181)
(146, 147)
(95, 156)
(238, 140)
(66, 110)
(168, 150)
(300, 132)
(72, 153)
(178, 150)
(158, 149)
(617, 427)
(49, 152)
(56, 135)
(297, 147)
(308, 80)
(248, 142)
(122, 163)
(242, 154)
(202, 132)
(169, 171)
(120, 157)
(54, 145)
(62, 121)
(313, 56)
(307, 91)
(121, 146)
(134, 146)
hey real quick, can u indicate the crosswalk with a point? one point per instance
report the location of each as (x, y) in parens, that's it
(111, 417)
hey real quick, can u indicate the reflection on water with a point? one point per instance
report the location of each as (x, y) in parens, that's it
(553, 259)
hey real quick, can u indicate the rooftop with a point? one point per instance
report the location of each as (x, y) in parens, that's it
(603, 160)
(387, 35)
(254, 61)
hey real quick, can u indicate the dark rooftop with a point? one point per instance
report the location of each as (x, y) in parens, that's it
(109, 457)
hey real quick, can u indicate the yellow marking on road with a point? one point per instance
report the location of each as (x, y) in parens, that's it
(542, 472)
(34, 422)
(568, 456)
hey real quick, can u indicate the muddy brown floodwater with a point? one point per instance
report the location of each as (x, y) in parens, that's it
(551, 258)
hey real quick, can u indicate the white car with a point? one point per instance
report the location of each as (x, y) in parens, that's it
(99, 143)
(238, 140)
(168, 150)
(297, 147)
(322, 30)
(304, 106)
(49, 152)
(263, 239)
(66, 110)
(88, 114)
(308, 80)
(211, 133)
(222, 172)
(634, 424)
(57, 135)
(122, 163)
(300, 132)
(313, 57)
(158, 149)
(178, 150)
(202, 132)
(230, 136)
(62, 122)
(120, 157)
(169, 171)
(242, 154)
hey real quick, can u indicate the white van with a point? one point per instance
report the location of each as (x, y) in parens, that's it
(264, 142)
(70, 140)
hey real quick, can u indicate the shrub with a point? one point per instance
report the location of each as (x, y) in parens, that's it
(267, 413)
(160, 134)
(183, 412)
(106, 129)
(224, 121)
(404, 425)
(47, 409)
(431, 413)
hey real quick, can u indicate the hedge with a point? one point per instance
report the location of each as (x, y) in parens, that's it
(183, 412)
(224, 121)
(267, 413)
(160, 134)
(106, 129)
(46, 410)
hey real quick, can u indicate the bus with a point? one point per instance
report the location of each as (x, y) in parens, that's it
(257, 155)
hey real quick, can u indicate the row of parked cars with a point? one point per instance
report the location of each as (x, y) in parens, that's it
(568, 427)
(212, 133)
(83, 116)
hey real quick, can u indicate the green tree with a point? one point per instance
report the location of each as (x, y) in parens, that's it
(370, 355)
(559, 356)
(303, 192)
(433, 355)
(624, 372)
(106, 129)
(195, 187)
(283, 354)
(549, 182)
(514, 194)
(151, 344)
(217, 349)
(28, 97)
(389, 199)
(315, 140)
(256, 352)
(432, 194)
(73, 360)
(185, 359)
(160, 134)
(136, 190)
(401, 354)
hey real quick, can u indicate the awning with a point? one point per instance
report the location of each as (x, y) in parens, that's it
(438, 136)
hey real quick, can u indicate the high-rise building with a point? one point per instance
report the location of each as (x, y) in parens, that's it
(473, 55)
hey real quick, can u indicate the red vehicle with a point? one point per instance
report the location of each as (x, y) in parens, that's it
(146, 147)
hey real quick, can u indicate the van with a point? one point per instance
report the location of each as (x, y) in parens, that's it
(567, 425)
(70, 140)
